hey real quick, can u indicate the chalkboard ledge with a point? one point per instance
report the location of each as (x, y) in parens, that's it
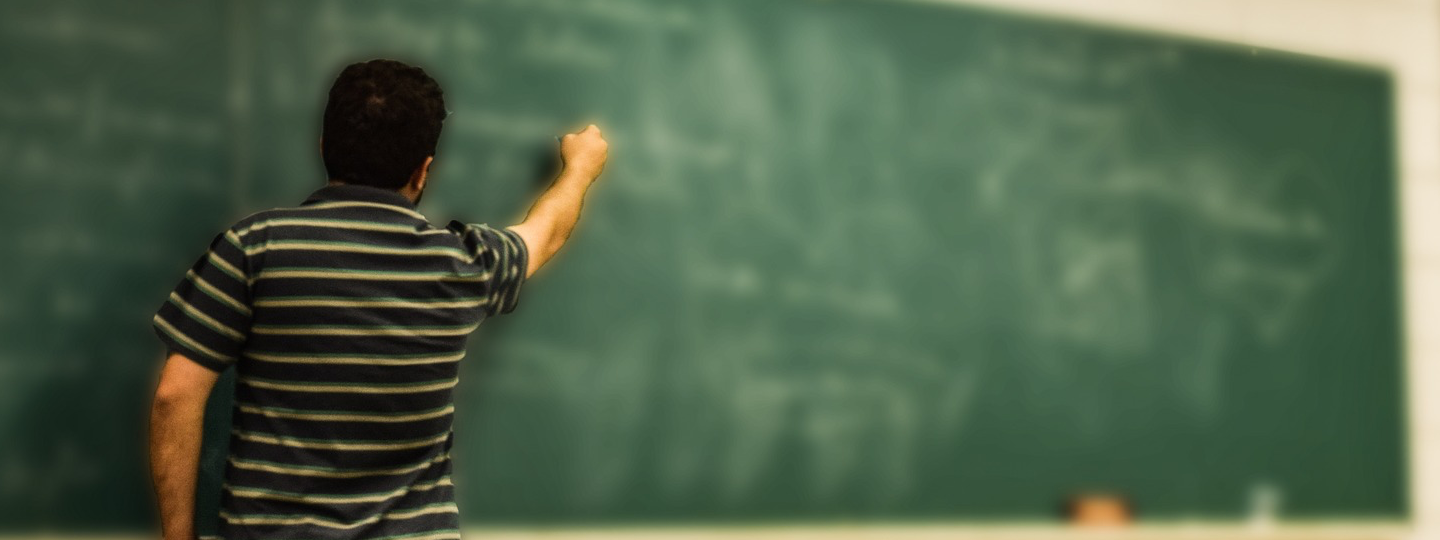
(1309, 530)
(1318, 530)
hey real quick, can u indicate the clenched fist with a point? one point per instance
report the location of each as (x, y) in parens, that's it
(584, 152)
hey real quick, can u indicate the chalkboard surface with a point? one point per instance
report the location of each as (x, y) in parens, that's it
(850, 260)
(114, 147)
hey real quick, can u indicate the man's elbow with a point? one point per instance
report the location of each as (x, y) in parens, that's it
(183, 385)
(174, 399)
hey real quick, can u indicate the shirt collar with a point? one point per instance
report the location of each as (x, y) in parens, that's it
(356, 192)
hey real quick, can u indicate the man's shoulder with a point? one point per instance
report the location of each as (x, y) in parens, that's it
(244, 228)
(325, 219)
(254, 218)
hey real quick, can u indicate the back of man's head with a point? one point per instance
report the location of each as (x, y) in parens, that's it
(382, 120)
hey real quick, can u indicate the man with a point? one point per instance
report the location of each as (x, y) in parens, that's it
(345, 318)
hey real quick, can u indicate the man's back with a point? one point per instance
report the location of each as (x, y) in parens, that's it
(358, 313)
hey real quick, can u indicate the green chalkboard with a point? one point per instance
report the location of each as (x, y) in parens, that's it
(115, 151)
(851, 260)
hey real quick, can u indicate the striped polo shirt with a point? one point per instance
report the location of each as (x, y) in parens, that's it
(345, 318)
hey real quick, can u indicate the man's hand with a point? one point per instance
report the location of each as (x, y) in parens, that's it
(176, 423)
(553, 217)
(584, 153)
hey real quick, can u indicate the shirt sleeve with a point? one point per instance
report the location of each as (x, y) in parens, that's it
(502, 253)
(207, 316)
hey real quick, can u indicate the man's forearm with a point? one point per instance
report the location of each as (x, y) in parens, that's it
(559, 208)
(175, 430)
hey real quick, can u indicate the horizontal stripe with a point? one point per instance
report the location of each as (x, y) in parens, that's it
(361, 204)
(259, 493)
(356, 359)
(343, 224)
(376, 275)
(400, 331)
(303, 519)
(370, 302)
(439, 534)
(353, 247)
(216, 293)
(332, 472)
(182, 338)
(234, 240)
(226, 267)
(345, 416)
(355, 388)
(338, 444)
(202, 318)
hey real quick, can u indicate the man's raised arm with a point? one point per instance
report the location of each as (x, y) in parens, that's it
(548, 224)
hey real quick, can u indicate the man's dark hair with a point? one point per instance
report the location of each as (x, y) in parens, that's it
(382, 120)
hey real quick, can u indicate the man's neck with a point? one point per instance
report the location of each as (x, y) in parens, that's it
(409, 191)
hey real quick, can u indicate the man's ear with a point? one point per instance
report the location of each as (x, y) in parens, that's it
(425, 172)
(422, 174)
